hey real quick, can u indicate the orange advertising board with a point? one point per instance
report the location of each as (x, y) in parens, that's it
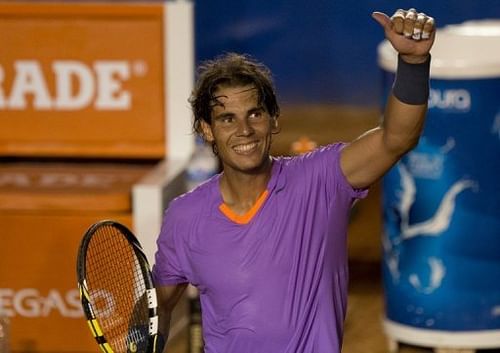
(38, 281)
(82, 80)
(44, 211)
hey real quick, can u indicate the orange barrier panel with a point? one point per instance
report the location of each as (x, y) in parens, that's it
(82, 80)
(44, 211)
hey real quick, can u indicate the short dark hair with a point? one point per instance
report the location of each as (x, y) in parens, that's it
(230, 69)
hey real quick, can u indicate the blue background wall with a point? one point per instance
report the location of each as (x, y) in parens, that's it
(320, 51)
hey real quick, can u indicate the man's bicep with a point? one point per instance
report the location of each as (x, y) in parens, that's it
(372, 154)
(169, 295)
(366, 159)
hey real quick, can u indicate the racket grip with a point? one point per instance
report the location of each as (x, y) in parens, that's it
(133, 345)
(160, 343)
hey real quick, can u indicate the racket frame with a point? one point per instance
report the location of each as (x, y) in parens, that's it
(88, 311)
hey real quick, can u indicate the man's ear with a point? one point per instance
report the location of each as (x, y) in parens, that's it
(207, 131)
(275, 128)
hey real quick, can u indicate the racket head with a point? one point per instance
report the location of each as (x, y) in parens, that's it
(116, 289)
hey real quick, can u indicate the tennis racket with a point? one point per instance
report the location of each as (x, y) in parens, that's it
(116, 290)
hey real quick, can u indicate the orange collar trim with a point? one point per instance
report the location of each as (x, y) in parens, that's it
(247, 217)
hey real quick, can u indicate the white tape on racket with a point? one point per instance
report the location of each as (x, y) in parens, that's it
(152, 301)
(153, 325)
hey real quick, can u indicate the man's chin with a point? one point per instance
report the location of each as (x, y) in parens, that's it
(257, 168)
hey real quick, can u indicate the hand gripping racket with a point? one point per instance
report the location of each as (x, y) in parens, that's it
(116, 290)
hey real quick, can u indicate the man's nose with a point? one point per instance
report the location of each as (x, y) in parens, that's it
(245, 128)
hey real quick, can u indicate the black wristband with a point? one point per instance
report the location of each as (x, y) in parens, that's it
(411, 85)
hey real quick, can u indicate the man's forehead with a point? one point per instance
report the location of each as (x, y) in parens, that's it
(224, 93)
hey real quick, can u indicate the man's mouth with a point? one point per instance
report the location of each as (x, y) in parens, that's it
(245, 148)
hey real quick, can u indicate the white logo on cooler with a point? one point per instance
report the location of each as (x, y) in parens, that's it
(438, 272)
(428, 165)
(77, 86)
(434, 226)
(450, 99)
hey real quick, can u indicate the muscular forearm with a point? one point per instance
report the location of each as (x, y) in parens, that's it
(370, 156)
(163, 330)
(402, 125)
(366, 159)
(168, 296)
(407, 106)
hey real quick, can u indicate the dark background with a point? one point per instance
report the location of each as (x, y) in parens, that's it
(320, 51)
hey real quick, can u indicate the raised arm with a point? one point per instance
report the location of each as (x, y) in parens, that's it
(371, 155)
(168, 297)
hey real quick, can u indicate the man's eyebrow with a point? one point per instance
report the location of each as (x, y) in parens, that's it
(223, 115)
(214, 101)
(256, 109)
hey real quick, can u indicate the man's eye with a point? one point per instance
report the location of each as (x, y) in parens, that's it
(227, 119)
(256, 115)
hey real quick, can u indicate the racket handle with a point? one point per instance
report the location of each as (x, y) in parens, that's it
(160, 343)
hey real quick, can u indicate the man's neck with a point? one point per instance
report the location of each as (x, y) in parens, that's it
(241, 190)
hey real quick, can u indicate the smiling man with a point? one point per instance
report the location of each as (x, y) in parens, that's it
(265, 240)
(241, 130)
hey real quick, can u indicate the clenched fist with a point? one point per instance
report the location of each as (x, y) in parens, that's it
(411, 33)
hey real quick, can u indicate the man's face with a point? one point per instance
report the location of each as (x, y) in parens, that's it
(241, 129)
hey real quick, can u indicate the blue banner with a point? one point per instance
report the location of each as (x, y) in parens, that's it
(320, 51)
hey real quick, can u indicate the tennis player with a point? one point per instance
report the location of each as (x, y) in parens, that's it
(265, 240)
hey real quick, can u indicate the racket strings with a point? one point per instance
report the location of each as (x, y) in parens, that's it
(117, 289)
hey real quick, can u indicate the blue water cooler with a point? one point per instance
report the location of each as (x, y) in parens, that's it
(441, 237)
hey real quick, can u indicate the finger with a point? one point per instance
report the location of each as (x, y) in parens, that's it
(382, 19)
(398, 21)
(428, 28)
(409, 23)
(419, 26)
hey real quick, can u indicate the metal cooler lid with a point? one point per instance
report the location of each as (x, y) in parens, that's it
(464, 51)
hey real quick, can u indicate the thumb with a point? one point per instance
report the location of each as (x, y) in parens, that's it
(382, 19)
